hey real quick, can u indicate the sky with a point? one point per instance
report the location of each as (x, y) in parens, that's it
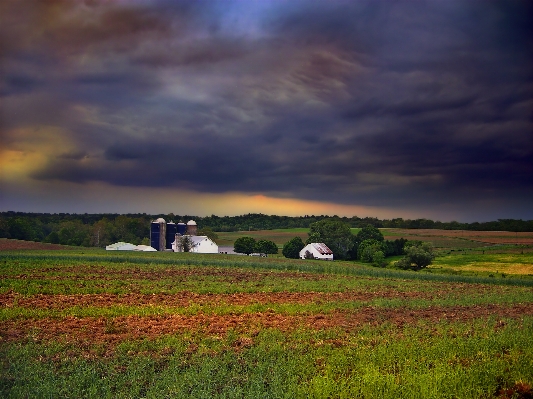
(404, 108)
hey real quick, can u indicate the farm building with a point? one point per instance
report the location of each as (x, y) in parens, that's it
(192, 228)
(226, 250)
(158, 232)
(198, 244)
(318, 250)
(162, 234)
(126, 246)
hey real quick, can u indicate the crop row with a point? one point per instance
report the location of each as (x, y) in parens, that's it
(96, 325)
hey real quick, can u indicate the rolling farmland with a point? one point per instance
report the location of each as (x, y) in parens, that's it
(84, 323)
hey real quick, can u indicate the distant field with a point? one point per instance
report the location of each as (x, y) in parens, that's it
(95, 324)
(441, 239)
(481, 238)
(481, 253)
(11, 245)
(502, 263)
(280, 236)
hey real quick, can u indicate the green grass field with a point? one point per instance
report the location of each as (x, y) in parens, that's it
(94, 324)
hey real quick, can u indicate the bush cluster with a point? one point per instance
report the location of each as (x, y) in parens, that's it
(248, 245)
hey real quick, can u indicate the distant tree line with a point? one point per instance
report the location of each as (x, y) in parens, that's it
(103, 229)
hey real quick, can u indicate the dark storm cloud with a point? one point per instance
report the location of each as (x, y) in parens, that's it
(361, 102)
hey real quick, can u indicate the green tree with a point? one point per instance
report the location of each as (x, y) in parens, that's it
(378, 259)
(244, 245)
(184, 244)
(335, 234)
(130, 229)
(4, 228)
(370, 232)
(292, 248)
(24, 229)
(367, 249)
(52, 238)
(393, 248)
(266, 247)
(73, 233)
(102, 233)
(418, 256)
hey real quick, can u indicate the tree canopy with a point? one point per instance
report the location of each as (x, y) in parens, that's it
(370, 232)
(102, 229)
(335, 234)
(244, 245)
(418, 255)
(292, 248)
(367, 249)
(266, 247)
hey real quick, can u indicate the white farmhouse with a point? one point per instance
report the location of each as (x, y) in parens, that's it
(318, 250)
(199, 244)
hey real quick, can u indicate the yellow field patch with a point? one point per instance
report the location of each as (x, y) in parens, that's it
(494, 267)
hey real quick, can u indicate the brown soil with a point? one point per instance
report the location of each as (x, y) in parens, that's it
(183, 299)
(114, 330)
(13, 245)
(187, 298)
(489, 237)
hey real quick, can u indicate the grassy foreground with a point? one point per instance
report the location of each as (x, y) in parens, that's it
(76, 324)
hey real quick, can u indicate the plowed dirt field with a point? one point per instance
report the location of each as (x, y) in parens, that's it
(14, 245)
(112, 331)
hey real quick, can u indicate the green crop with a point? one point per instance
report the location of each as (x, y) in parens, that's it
(100, 325)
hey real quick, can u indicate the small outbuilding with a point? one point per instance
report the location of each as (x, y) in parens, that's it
(126, 246)
(145, 248)
(121, 246)
(317, 250)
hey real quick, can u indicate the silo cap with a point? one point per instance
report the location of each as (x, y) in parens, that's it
(191, 223)
(160, 220)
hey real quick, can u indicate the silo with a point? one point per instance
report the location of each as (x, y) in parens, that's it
(182, 228)
(192, 228)
(172, 229)
(158, 234)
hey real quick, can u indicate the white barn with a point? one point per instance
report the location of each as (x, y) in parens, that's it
(199, 244)
(319, 250)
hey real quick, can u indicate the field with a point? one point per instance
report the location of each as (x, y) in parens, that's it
(474, 253)
(441, 239)
(84, 323)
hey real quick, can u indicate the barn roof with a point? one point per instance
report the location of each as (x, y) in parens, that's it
(322, 248)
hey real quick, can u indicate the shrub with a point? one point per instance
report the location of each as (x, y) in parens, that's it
(244, 245)
(417, 256)
(292, 248)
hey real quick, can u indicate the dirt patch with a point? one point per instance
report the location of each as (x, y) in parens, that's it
(187, 298)
(14, 245)
(114, 330)
(184, 299)
(488, 237)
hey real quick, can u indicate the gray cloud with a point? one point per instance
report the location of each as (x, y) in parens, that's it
(368, 102)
